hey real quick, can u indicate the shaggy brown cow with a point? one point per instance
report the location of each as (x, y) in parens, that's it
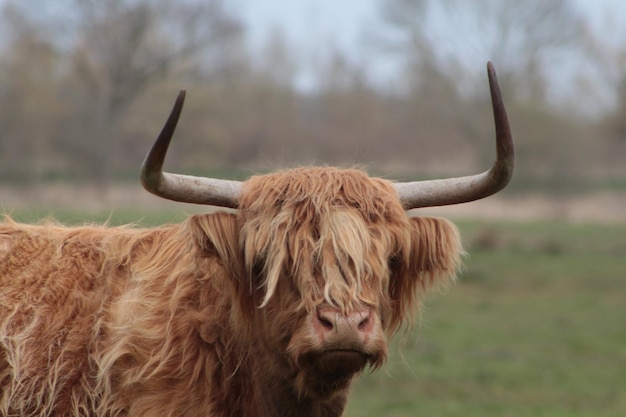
(269, 311)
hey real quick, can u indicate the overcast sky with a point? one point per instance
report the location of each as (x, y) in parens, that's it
(311, 23)
(313, 26)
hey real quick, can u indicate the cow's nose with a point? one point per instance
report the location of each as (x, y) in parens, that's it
(333, 321)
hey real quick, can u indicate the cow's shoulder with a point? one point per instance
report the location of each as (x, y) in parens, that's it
(11, 233)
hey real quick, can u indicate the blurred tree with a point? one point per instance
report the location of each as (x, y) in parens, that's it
(31, 107)
(451, 38)
(611, 126)
(350, 118)
(445, 45)
(117, 49)
(268, 115)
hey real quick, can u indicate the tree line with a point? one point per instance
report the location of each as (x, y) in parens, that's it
(85, 86)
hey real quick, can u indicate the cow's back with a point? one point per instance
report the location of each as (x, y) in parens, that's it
(53, 292)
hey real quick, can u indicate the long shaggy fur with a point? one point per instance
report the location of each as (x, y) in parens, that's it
(207, 318)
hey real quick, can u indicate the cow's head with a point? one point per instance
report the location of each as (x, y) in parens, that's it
(326, 263)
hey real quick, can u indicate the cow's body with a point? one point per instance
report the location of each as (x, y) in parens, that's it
(211, 317)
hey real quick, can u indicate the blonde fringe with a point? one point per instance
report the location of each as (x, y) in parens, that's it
(334, 233)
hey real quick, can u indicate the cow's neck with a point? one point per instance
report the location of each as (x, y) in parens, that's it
(276, 396)
(288, 406)
(264, 388)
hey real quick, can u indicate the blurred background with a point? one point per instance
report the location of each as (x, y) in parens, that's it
(397, 86)
(535, 326)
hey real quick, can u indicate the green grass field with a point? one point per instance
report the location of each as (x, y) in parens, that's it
(536, 326)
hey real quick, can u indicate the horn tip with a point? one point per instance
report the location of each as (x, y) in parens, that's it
(181, 96)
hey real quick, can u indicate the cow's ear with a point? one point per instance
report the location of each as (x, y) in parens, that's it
(217, 236)
(432, 258)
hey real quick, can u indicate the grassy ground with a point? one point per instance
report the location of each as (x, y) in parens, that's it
(535, 327)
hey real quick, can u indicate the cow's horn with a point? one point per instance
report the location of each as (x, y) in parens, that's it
(185, 188)
(463, 189)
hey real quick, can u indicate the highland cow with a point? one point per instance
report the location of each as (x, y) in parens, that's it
(268, 311)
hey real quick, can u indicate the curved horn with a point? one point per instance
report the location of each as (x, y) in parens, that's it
(185, 188)
(464, 189)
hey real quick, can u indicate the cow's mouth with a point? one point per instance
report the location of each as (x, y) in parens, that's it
(332, 370)
(332, 364)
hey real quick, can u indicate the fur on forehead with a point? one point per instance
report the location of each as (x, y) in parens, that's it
(330, 230)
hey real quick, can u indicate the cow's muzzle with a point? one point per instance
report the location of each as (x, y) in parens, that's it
(343, 332)
(344, 340)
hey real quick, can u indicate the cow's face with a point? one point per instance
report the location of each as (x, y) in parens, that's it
(329, 265)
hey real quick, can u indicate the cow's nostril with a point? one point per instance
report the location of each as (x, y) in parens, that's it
(326, 323)
(364, 323)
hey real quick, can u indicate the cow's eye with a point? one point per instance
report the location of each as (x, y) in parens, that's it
(394, 261)
(315, 233)
(257, 267)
